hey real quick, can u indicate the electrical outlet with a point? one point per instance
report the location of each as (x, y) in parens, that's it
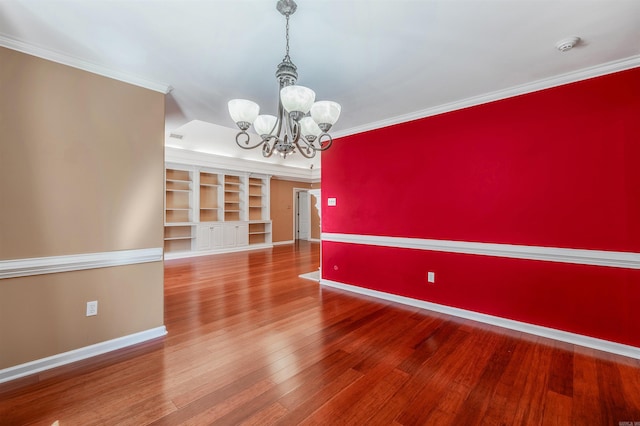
(92, 308)
(431, 277)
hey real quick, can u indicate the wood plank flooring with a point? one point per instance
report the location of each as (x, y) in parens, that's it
(251, 343)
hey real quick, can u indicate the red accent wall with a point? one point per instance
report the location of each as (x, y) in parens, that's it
(558, 167)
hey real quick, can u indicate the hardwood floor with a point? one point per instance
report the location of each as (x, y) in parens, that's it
(251, 343)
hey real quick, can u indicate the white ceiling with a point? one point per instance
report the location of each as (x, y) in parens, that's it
(383, 61)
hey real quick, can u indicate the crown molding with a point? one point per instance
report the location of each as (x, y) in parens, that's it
(51, 55)
(195, 158)
(547, 83)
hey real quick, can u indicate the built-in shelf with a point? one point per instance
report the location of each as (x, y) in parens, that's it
(209, 196)
(178, 238)
(209, 210)
(178, 196)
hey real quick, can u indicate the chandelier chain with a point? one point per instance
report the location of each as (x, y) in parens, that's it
(286, 56)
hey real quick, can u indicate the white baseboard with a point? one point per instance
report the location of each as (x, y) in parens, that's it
(563, 336)
(196, 253)
(315, 240)
(75, 355)
(282, 243)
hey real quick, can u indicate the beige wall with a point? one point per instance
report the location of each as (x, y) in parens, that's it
(282, 208)
(44, 315)
(81, 171)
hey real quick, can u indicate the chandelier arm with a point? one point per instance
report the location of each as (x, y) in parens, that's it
(294, 130)
(246, 142)
(287, 126)
(267, 150)
(324, 145)
(307, 144)
(305, 151)
(281, 117)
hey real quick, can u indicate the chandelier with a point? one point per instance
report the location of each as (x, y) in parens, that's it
(301, 123)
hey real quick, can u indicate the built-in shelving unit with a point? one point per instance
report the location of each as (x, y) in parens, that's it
(178, 238)
(233, 200)
(259, 233)
(258, 210)
(178, 196)
(178, 232)
(209, 197)
(211, 211)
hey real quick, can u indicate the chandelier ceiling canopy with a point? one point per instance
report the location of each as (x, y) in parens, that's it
(301, 123)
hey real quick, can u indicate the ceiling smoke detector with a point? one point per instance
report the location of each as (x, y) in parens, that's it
(567, 43)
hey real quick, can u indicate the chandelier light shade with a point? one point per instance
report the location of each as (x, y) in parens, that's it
(325, 112)
(309, 127)
(297, 98)
(243, 111)
(265, 124)
(301, 124)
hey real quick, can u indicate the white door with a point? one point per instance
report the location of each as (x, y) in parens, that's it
(304, 216)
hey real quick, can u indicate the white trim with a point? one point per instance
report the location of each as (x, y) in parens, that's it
(312, 276)
(615, 259)
(195, 158)
(314, 240)
(550, 333)
(196, 253)
(61, 58)
(293, 179)
(75, 355)
(570, 77)
(76, 262)
(547, 83)
(282, 243)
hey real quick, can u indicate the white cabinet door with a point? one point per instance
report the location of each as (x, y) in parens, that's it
(216, 232)
(203, 239)
(235, 235)
(229, 235)
(209, 237)
(242, 235)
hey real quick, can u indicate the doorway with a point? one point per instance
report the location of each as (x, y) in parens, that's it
(302, 215)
